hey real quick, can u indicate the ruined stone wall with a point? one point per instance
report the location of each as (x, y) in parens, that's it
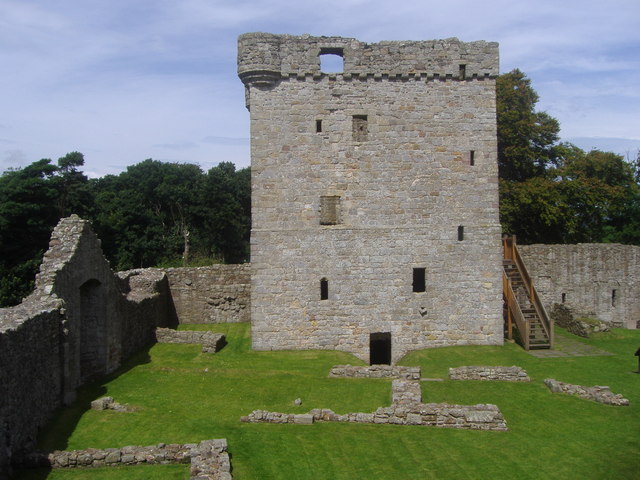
(593, 280)
(31, 376)
(80, 323)
(213, 294)
(403, 145)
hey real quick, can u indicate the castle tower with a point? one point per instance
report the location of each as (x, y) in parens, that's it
(374, 194)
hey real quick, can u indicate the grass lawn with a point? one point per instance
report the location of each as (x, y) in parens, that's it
(186, 396)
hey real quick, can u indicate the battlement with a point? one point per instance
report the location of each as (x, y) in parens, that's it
(264, 58)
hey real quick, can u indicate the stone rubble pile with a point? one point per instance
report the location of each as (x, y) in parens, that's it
(601, 394)
(211, 342)
(376, 371)
(506, 374)
(209, 459)
(108, 403)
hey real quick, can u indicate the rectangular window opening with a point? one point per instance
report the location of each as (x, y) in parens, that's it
(331, 60)
(460, 233)
(329, 210)
(472, 157)
(360, 128)
(419, 280)
(324, 289)
(463, 72)
(613, 297)
(564, 297)
(318, 126)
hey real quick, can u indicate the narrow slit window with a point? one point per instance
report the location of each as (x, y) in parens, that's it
(360, 128)
(329, 210)
(324, 289)
(331, 60)
(613, 297)
(472, 157)
(318, 126)
(564, 297)
(463, 72)
(460, 233)
(419, 280)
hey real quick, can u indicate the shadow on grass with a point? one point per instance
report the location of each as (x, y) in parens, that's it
(55, 435)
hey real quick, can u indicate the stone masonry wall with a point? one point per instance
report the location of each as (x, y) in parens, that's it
(403, 143)
(80, 322)
(213, 294)
(593, 280)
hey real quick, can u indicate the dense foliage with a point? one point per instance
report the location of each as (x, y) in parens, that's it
(554, 192)
(152, 214)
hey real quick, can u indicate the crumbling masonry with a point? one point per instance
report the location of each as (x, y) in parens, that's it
(374, 194)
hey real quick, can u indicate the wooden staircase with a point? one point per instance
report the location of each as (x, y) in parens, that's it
(523, 308)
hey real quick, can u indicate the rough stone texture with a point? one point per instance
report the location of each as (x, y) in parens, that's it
(403, 192)
(601, 394)
(594, 280)
(213, 294)
(471, 417)
(405, 392)
(376, 371)
(211, 342)
(506, 374)
(562, 316)
(80, 322)
(209, 459)
(108, 403)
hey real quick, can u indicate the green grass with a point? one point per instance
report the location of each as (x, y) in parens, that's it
(187, 396)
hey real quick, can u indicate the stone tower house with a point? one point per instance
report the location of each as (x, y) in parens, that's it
(374, 194)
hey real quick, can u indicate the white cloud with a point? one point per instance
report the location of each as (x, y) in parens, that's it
(122, 81)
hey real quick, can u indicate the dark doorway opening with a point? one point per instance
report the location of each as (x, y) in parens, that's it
(380, 348)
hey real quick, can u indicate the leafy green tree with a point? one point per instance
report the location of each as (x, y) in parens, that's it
(526, 138)
(27, 216)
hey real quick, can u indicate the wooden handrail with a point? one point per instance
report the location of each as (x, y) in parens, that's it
(512, 253)
(514, 307)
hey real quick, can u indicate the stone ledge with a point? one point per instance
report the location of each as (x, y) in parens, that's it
(376, 371)
(505, 374)
(211, 342)
(600, 394)
(209, 459)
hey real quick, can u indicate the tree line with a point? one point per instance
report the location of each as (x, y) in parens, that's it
(171, 214)
(152, 214)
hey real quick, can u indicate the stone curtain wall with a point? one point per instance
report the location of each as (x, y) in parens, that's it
(596, 280)
(213, 294)
(80, 322)
(404, 190)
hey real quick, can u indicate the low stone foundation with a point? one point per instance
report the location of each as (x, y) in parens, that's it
(211, 342)
(472, 417)
(405, 392)
(376, 371)
(505, 374)
(406, 409)
(601, 394)
(209, 459)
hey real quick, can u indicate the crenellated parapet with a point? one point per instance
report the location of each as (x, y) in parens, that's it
(264, 59)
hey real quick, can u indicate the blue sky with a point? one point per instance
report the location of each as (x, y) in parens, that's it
(126, 80)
